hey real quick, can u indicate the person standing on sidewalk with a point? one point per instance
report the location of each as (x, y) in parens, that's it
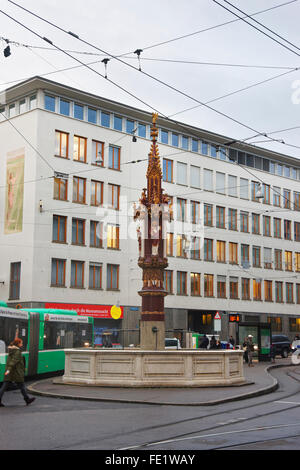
(15, 371)
(250, 349)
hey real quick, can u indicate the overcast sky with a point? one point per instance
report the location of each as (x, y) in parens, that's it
(120, 27)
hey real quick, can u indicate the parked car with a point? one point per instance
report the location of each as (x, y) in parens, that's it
(282, 345)
(172, 343)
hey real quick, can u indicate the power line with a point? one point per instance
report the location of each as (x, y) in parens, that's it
(125, 63)
(263, 32)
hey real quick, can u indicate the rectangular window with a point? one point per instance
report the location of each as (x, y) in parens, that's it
(221, 287)
(168, 170)
(32, 102)
(254, 190)
(168, 281)
(296, 201)
(267, 226)
(277, 227)
(256, 256)
(181, 283)
(232, 219)
(220, 182)
(62, 144)
(96, 234)
(213, 151)
(175, 139)
(164, 136)
(96, 193)
(220, 217)
(114, 157)
(92, 115)
(298, 293)
(244, 188)
(194, 145)
(221, 253)
(78, 231)
(289, 292)
(97, 153)
(118, 123)
(256, 224)
(129, 126)
(222, 153)
(180, 248)
(286, 199)
(181, 209)
(268, 291)
(79, 189)
(297, 262)
(207, 180)
(195, 248)
(276, 196)
(232, 185)
(245, 256)
(181, 173)
(79, 150)
(59, 229)
(195, 177)
(287, 230)
(195, 212)
(266, 193)
(105, 119)
(245, 288)
(95, 275)
(208, 285)
(204, 148)
(113, 271)
(233, 253)
(114, 196)
(184, 142)
(195, 284)
(49, 103)
(276, 323)
(208, 215)
(297, 231)
(78, 111)
(294, 324)
(268, 258)
(60, 188)
(279, 291)
(77, 274)
(288, 256)
(278, 259)
(234, 287)
(142, 130)
(244, 221)
(23, 107)
(112, 234)
(15, 281)
(208, 249)
(58, 272)
(64, 107)
(170, 242)
(256, 289)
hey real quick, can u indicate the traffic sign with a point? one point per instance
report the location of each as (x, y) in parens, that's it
(217, 316)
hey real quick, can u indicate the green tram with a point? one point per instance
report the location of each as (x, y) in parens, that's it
(45, 334)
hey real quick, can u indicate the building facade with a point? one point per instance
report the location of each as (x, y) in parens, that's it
(73, 164)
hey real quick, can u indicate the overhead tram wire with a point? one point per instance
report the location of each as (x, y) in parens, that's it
(125, 63)
(77, 37)
(255, 27)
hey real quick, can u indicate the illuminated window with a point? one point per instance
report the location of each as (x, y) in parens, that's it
(233, 253)
(256, 289)
(208, 285)
(195, 284)
(221, 257)
(113, 236)
(268, 291)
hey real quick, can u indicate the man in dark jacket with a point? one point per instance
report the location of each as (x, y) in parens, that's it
(15, 370)
(204, 343)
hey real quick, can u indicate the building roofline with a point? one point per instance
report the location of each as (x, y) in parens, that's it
(37, 82)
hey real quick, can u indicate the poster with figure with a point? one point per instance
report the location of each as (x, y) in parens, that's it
(14, 192)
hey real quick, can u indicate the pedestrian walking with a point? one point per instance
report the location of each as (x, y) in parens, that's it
(250, 349)
(15, 371)
(245, 350)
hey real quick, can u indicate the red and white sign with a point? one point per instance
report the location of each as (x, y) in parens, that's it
(217, 316)
(95, 311)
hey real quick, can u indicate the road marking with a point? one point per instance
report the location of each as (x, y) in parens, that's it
(288, 402)
(201, 436)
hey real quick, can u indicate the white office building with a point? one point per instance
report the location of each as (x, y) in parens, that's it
(70, 172)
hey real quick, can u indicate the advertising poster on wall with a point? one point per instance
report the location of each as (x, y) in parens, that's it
(14, 192)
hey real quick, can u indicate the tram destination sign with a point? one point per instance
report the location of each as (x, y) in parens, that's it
(10, 313)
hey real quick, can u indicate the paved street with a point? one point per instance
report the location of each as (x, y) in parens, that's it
(270, 421)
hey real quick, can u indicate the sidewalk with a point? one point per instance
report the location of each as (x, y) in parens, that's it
(259, 382)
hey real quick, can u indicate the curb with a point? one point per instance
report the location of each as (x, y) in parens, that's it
(262, 391)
